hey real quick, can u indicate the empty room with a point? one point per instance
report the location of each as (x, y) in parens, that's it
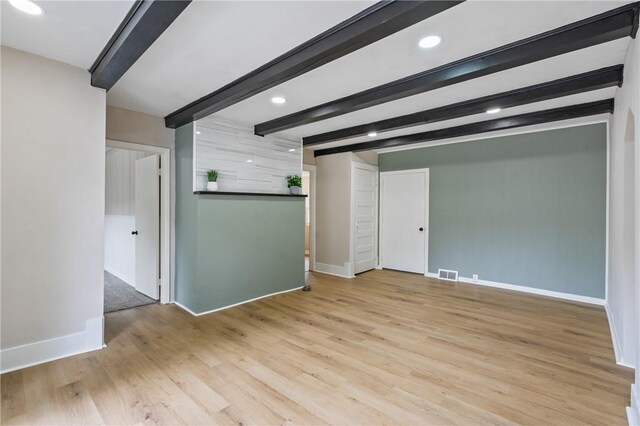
(319, 212)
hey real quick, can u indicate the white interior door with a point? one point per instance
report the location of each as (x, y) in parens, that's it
(365, 216)
(147, 208)
(404, 227)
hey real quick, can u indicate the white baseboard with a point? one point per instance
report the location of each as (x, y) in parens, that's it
(23, 356)
(339, 271)
(531, 290)
(617, 350)
(633, 411)
(235, 304)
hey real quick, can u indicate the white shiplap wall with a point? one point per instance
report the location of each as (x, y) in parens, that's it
(120, 180)
(228, 146)
(120, 220)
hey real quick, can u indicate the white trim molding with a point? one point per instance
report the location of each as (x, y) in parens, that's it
(180, 305)
(312, 214)
(617, 349)
(531, 290)
(23, 356)
(345, 271)
(633, 410)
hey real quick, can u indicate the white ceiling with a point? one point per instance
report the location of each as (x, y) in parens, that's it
(213, 43)
(562, 66)
(74, 32)
(466, 29)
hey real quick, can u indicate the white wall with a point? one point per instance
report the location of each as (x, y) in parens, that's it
(623, 298)
(52, 189)
(120, 220)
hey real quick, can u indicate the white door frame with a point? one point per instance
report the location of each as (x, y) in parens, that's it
(352, 215)
(312, 214)
(426, 213)
(166, 283)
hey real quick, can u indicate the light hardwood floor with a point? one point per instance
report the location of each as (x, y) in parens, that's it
(384, 348)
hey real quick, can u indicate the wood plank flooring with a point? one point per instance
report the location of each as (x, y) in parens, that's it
(384, 348)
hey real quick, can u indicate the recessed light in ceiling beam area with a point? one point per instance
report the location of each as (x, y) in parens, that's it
(612, 25)
(278, 100)
(493, 110)
(374, 23)
(430, 41)
(504, 123)
(572, 85)
(26, 6)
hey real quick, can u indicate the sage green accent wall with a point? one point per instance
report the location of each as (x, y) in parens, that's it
(230, 249)
(248, 247)
(186, 214)
(525, 209)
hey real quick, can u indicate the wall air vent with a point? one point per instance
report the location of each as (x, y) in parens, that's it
(445, 274)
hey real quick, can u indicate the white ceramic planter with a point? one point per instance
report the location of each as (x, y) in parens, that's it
(295, 190)
(212, 186)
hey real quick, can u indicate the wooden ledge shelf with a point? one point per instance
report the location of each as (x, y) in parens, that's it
(254, 194)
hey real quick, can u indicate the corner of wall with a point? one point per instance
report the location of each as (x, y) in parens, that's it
(617, 350)
(308, 157)
(345, 271)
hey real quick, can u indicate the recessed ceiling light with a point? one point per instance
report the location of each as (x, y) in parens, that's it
(249, 161)
(372, 134)
(493, 110)
(26, 6)
(198, 132)
(278, 100)
(430, 41)
(292, 150)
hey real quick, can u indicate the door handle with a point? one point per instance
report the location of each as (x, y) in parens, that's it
(419, 229)
(134, 232)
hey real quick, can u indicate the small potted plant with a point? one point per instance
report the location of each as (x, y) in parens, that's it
(212, 176)
(294, 182)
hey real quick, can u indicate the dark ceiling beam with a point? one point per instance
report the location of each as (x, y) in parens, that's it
(144, 23)
(608, 26)
(593, 80)
(372, 24)
(530, 119)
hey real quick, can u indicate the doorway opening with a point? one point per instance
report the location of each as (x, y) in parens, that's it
(137, 227)
(132, 229)
(309, 188)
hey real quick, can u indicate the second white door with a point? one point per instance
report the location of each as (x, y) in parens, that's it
(404, 226)
(147, 210)
(365, 216)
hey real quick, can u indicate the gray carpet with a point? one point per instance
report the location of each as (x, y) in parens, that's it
(119, 295)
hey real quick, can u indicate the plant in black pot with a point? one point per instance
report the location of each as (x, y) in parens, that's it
(294, 182)
(212, 184)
